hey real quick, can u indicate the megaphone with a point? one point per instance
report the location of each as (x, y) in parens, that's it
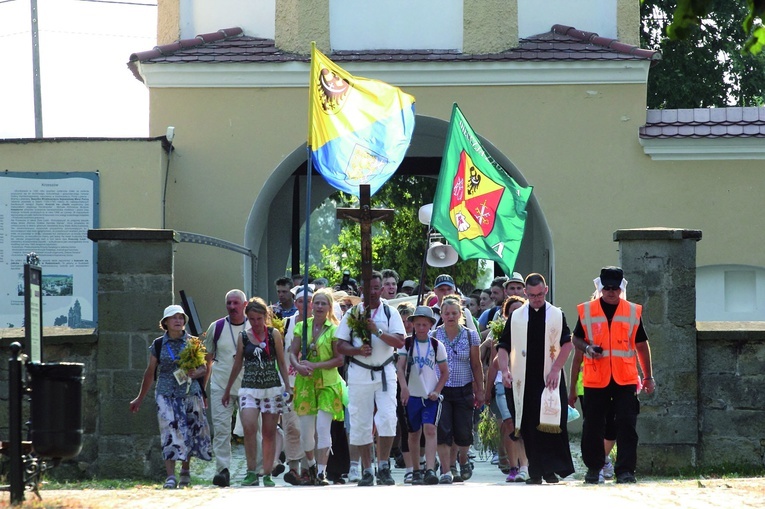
(441, 255)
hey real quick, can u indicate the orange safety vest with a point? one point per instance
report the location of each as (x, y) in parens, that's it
(618, 342)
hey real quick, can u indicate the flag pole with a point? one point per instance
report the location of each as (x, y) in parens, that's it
(309, 171)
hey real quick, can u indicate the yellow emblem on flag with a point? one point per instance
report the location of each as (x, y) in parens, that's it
(474, 200)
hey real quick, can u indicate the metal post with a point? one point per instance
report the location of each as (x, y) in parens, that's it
(15, 393)
(36, 72)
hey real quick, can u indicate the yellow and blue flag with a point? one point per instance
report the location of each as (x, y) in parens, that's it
(359, 128)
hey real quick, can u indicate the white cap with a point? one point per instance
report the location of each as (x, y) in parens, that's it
(174, 310)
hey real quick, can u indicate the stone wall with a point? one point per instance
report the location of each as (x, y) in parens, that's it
(731, 394)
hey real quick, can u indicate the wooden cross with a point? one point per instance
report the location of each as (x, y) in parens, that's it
(365, 215)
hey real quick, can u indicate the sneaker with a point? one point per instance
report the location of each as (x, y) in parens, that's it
(353, 474)
(455, 476)
(367, 479)
(268, 482)
(551, 478)
(430, 477)
(417, 478)
(278, 470)
(251, 479)
(522, 476)
(293, 478)
(222, 478)
(495, 459)
(399, 461)
(471, 453)
(384, 477)
(446, 478)
(591, 477)
(409, 477)
(512, 475)
(466, 471)
(626, 478)
(321, 479)
(608, 470)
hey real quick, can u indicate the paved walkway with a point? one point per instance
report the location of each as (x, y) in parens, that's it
(486, 486)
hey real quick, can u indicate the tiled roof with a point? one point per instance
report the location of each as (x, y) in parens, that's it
(705, 123)
(231, 45)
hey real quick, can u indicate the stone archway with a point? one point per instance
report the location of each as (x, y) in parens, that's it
(268, 227)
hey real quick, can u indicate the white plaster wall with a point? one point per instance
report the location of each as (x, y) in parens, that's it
(255, 17)
(538, 16)
(730, 293)
(395, 24)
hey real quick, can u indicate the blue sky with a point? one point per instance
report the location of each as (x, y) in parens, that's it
(87, 89)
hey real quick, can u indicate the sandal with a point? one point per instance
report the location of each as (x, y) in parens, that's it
(170, 483)
(185, 479)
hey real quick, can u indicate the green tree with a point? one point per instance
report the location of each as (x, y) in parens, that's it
(399, 243)
(690, 14)
(705, 69)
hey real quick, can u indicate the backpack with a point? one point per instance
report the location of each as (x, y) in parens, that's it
(409, 346)
(216, 335)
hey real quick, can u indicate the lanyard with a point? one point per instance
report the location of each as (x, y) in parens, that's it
(172, 356)
(420, 359)
(231, 331)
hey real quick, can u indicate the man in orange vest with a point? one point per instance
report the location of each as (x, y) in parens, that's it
(610, 333)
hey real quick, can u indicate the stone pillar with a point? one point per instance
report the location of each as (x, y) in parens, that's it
(660, 266)
(135, 284)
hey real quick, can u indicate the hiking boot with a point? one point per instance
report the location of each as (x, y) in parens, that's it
(591, 477)
(430, 477)
(626, 478)
(466, 471)
(446, 478)
(512, 475)
(293, 478)
(251, 479)
(455, 476)
(417, 478)
(384, 477)
(222, 478)
(367, 479)
(268, 482)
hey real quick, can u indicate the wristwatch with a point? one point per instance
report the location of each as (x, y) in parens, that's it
(379, 333)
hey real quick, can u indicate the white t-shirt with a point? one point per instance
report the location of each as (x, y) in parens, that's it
(424, 373)
(381, 351)
(224, 355)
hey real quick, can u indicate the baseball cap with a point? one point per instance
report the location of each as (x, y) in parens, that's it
(444, 279)
(408, 284)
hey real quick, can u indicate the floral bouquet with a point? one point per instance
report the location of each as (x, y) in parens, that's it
(192, 356)
(497, 326)
(278, 324)
(357, 322)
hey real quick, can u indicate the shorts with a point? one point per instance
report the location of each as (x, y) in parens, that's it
(504, 411)
(268, 401)
(422, 411)
(362, 399)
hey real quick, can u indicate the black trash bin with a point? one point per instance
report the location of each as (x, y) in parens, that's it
(56, 408)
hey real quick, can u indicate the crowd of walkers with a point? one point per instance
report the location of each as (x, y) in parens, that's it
(326, 391)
